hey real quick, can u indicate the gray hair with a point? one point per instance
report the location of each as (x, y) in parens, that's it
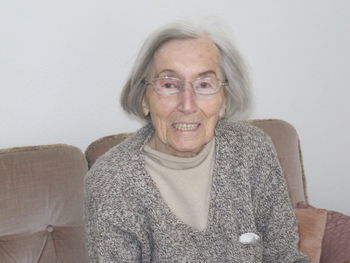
(237, 90)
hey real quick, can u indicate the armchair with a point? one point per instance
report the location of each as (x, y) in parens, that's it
(41, 205)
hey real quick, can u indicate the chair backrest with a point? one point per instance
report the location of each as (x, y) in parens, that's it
(41, 205)
(287, 144)
(284, 138)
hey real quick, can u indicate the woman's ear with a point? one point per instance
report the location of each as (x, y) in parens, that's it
(222, 110)
(145, 107)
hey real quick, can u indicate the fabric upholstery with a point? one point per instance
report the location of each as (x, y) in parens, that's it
(286, 142)
(99, 147)
(41, 195)
(336, 240)
(311, 223)
(284, 138)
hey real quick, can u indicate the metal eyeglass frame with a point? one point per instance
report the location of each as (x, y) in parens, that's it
(182, 84)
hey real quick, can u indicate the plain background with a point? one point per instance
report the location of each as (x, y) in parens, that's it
(63, 64)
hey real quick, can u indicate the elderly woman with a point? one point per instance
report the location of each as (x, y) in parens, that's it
(190, 186)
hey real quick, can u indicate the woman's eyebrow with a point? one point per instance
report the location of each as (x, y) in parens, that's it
(167, 71)
(206, 73)
(172, 72)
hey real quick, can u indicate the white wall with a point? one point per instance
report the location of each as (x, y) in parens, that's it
(63, 63)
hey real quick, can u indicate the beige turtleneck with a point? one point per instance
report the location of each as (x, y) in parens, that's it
(184, 183)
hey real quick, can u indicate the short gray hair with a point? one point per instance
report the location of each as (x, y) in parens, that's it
(237, 90)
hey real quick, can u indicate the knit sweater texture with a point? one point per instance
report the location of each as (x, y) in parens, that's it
(128, 221)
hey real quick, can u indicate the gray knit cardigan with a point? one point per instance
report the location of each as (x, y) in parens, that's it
(128, 221)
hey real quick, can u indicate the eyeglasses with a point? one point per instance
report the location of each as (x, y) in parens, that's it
(170, 85)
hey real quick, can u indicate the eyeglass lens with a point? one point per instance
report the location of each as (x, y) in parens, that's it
(174, 85)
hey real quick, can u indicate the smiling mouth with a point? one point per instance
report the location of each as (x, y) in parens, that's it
(186, 126)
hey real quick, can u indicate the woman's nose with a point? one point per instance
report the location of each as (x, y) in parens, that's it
(187, 100)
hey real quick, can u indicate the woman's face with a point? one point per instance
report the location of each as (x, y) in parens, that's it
(184, 122)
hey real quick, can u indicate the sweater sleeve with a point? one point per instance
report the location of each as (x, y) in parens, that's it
(109, 221)
(275, 217)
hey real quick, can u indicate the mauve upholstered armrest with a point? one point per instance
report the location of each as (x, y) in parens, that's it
(336, 239)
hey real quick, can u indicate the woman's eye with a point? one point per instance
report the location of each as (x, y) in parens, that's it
(205, 85)
(169, 85)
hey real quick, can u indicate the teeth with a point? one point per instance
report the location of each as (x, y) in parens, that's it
(185, 127)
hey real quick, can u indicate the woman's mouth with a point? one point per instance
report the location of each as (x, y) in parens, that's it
(186, 126)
